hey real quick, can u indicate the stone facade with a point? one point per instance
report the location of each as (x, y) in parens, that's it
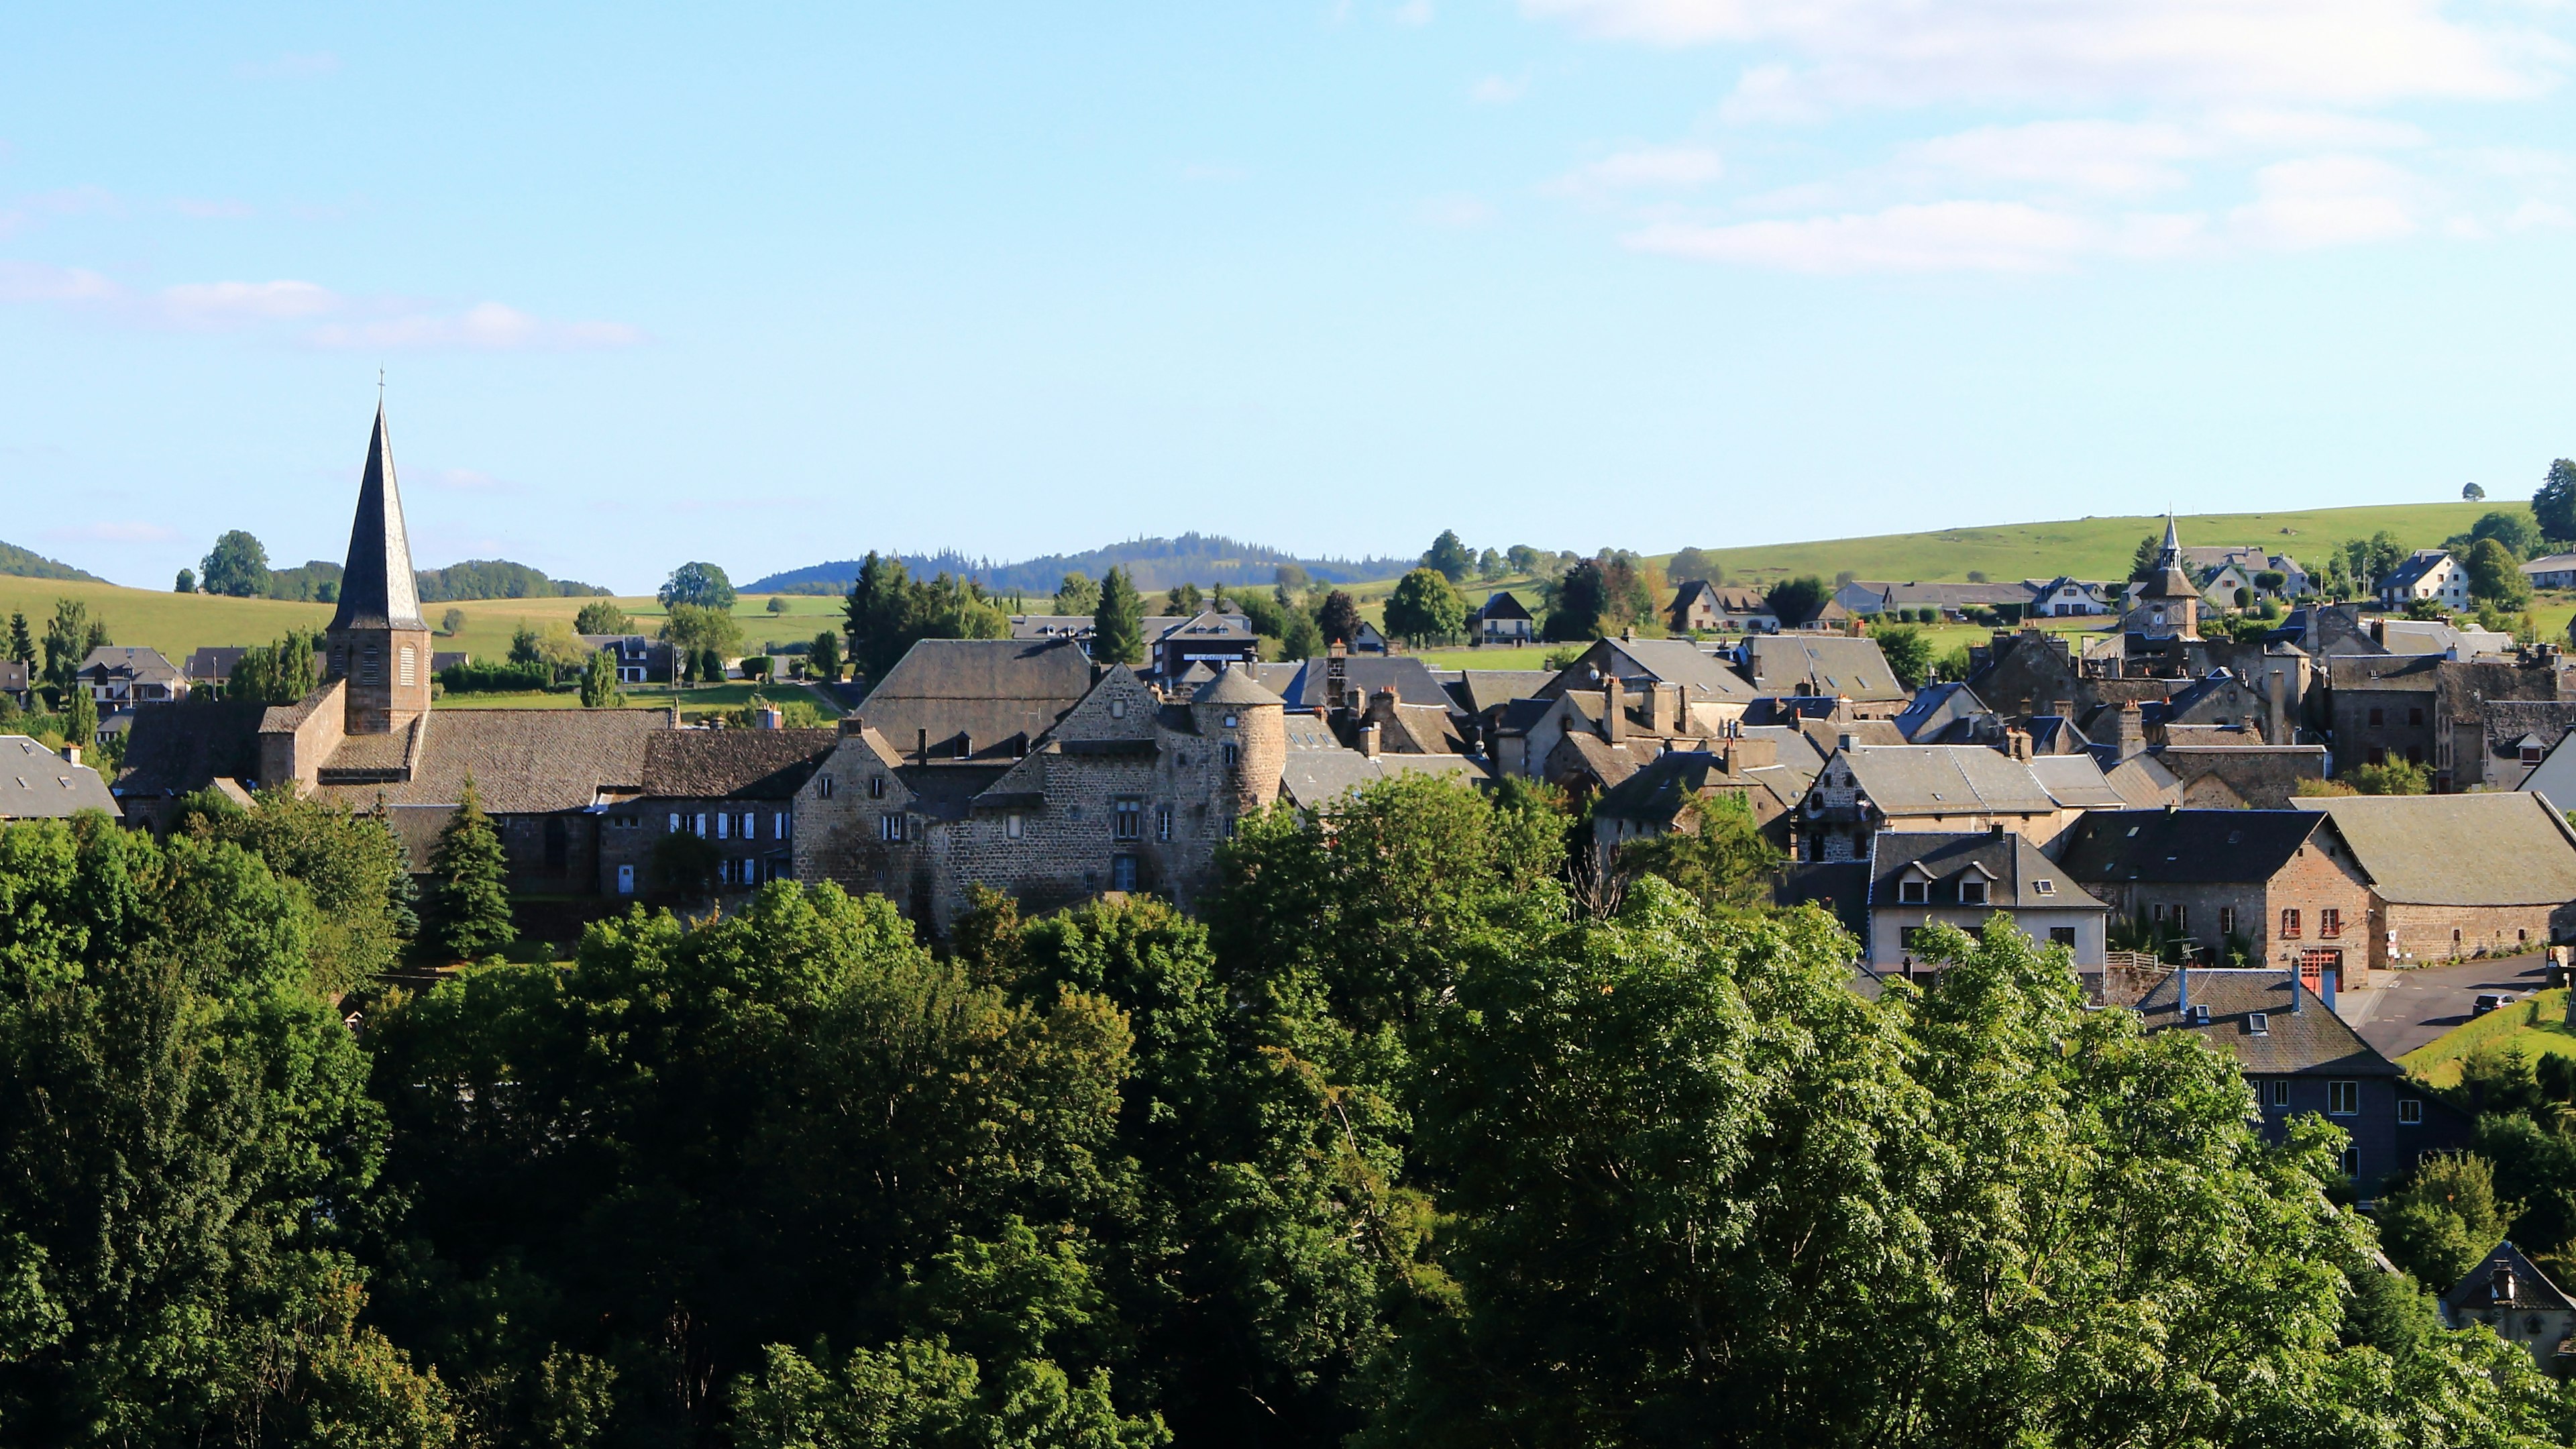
(1128, 792)
(2315, 911)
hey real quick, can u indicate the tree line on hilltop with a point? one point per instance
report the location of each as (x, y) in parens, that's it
(1417, 1137)
(238, 566)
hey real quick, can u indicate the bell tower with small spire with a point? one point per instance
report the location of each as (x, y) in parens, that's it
(377, 641)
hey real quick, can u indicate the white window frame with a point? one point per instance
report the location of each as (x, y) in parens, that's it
(1012, 826)
(1982, 898)
(2343, 1099)
(1913, 892)
(2280, 1091)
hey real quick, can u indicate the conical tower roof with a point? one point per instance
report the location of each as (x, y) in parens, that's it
(377, 587)
(2172, 580)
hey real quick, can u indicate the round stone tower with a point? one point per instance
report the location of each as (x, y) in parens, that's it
(1249, 726)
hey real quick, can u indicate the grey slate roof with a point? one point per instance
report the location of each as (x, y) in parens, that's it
(37, 784)
(2311, 1041)
(1824, 665)
(1478, 690)
(1936, 705)
(2499, 848)
(1236, 687)
(1411, 679)
(182, 747)
(733, 763)
(130, 661)
(991, 690)
(2481, 1289)
(523, 761)
(2017, 874)
(1318, 777)
(2075, 782)
(1678, 661)
(377, 586)
(2189, 846)
(1672, 782)
(1946, 780)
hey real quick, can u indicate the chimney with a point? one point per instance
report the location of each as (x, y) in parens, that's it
(1664, 708)
(2017, 744)
(2276, 714)
(1368, 740)
(921, 745)
(2182, 989)
(2294, 987)
(1614, 709)
(2062, 708)
(71, 754)
(2129, 732)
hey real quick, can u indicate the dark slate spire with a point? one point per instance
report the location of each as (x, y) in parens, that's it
(377, 589)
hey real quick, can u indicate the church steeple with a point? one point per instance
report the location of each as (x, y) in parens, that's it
(377, 588)
(377, 646)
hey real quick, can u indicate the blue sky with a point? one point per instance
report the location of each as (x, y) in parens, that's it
(770, 285)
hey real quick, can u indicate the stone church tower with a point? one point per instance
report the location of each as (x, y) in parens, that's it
(2168, 607)
(377, 641)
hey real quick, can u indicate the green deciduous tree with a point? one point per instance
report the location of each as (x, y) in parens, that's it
(470, 901)
(1798, 600)
(1118, 624)
(2555, 504)
(1723, 862)
(599, 616)
(1424, 607)
(1577, 604)
(2445, 1218)
(355, 870)
(1908, 651)
(1694, 563)
(1337, 618)
(238, 565)
(279, 673)
(1449, 556)
(694, 632)
(2496, 577)
(702, 584)
(187, 1153)
(823, 660)
(187, 582)
(2473, 493)
(1077, 595)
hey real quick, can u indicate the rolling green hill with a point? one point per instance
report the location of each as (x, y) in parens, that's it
(20, 563)
(2092, 548)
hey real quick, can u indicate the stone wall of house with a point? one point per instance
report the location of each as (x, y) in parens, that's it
(2426, 934)
(629, 835)
(296, 752)
(2315, 880)
(1051, 831)
(2404, 730)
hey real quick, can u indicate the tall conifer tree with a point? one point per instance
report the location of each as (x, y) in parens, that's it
(1118, 625)
(472, 897)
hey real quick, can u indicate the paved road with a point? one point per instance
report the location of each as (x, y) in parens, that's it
(2428, 1001)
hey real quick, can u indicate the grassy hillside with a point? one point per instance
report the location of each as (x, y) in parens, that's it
(2534, 1027)
(2092, 548)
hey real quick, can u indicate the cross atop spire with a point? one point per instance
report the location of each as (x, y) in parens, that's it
(377, 588)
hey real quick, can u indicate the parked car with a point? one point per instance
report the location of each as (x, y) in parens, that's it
(2490, 1000)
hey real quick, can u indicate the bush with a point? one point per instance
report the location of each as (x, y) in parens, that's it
(495, 678)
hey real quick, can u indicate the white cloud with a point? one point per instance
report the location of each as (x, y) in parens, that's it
(1496, 90)
(224, 303)
(2318, 201)
(2109, 158)
(1649, 167)
(1905, 52)
(382, 323)
(1988, 236)
(485, 326)
(36, 282)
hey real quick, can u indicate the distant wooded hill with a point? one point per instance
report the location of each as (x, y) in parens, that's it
(1152, 563)
(19, 562)
(319, 580)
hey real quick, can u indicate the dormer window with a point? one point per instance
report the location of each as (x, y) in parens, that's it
(1913, 892)
(1972, 892)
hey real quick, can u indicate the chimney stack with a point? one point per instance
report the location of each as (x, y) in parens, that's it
(1614, 709)
(1368, 740)
(2129, 732)
(2017, 744)
(71, 754)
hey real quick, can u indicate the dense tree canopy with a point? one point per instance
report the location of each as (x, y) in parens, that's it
(1450, 556)
(1424, 607)
(702, 584)
(237, 565)
(2555, 504)
(1118, 623)
(1410, 1139)
(1798, 600)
